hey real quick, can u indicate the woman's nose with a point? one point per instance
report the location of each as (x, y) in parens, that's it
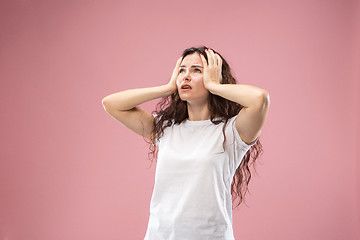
(187, 76)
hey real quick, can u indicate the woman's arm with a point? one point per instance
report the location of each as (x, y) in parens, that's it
(123, 105)
(256, 101)
(246, 95)
(128, 99)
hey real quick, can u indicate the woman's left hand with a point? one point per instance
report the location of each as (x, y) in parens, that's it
(212, 70)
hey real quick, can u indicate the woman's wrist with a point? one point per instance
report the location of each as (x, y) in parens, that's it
(211, 86)
(167, 89)
(170, 88)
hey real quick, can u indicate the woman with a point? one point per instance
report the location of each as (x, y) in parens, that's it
(205, 126)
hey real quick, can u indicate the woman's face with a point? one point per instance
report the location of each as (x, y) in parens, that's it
(190, 83)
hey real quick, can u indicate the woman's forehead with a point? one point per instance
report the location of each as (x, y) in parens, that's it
(192, 59)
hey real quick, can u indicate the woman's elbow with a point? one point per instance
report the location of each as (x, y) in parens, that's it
(264, 99)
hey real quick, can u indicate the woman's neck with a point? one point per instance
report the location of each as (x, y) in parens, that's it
(198, 112)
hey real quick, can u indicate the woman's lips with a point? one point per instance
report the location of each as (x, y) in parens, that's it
(186, 87)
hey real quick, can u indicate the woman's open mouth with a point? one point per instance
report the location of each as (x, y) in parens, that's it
(186, 87)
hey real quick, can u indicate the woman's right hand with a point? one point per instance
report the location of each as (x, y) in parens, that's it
(172, 83)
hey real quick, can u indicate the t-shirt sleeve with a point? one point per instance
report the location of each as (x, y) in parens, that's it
(240, 144)
(236, 146)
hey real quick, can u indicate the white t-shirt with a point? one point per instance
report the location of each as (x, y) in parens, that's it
(191, 198)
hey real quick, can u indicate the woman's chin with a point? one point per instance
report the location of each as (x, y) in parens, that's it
(193, 99)
(184, 97)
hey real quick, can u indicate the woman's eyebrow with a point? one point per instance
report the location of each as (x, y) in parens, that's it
(192, 66)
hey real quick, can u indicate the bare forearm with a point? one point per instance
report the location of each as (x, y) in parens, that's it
(128, 99)
(246, 95)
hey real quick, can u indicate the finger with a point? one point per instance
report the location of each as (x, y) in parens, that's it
(178, 64)
(210, 57)
(205, 64)
(219, 66)
(219, 60)
(216, 59)
(213, 57)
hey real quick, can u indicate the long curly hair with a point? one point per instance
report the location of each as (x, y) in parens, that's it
(172, 110)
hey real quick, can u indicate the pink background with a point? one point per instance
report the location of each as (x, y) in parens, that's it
(69, 171)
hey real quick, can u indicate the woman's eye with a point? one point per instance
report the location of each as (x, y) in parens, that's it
(196, 70)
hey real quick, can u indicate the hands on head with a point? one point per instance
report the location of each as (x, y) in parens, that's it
(211, 72)
(172, 82)
(212, 68)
